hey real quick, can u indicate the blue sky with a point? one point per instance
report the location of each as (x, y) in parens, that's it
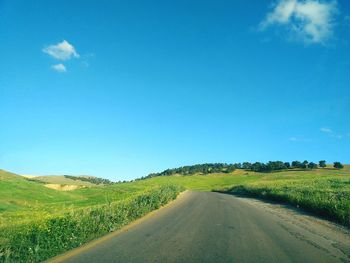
(119, 89)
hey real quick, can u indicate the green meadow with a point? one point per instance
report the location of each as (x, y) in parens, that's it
(20, 197)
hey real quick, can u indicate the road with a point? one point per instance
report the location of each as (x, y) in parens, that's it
(215, 227)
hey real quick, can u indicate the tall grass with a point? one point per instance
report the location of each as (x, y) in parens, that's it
(329, 198)
(49, 237)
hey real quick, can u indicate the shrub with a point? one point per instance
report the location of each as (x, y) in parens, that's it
(322, 164)
(312, 165)
(327, 197)
(338, 165)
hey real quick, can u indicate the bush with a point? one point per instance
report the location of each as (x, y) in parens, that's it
(338, 165)
(41, 240)
(327, 197)
(322, 164)
(312, 165)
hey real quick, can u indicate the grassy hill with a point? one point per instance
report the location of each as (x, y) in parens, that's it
(22, 200)
(17, 193)
(61, 179)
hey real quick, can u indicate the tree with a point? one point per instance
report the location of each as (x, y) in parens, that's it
(258, 167)
(205, 168)
(268, 167)
(275, 165)
(296, 164)
(238, 165)
(312, 165)
(322, 163)
(304, 164)
(287, 165)
(338, 165)
(246, 165)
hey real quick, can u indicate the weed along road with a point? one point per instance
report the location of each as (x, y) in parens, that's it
(215, 227)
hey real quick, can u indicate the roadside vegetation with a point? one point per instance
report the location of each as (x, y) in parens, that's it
(53, 234)
(324, 191)
(329, 198)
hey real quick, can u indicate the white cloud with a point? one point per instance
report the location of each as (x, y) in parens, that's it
(299, 139)
(331, 133)
(281, 13)
(85, 64)
(61, 51)
(59, 68)
(310, 21)
(326, 130)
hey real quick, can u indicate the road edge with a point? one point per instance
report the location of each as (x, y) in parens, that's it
(92, 243)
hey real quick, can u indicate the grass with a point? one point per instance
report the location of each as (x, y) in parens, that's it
(52, 235)
(329, 198)
(19, 194)
(325, 192)
(22, 200)
(61, 179)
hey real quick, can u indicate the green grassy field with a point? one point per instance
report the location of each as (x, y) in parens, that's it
(22, 202)
(20, 196)
(323, 192)
(51, 234)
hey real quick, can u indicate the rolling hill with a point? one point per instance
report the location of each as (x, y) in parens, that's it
(20, 196)
(18, 193)
(61, 179)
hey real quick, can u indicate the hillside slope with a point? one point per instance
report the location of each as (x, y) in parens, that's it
(18, 193)
(61, 179)
(21, 198)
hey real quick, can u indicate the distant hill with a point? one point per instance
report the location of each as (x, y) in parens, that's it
(61, 180)
(207, 168)
(91, 179)
(18, 192)
(64, 180)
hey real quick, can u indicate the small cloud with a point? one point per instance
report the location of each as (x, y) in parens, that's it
(326, 130)
(85, 59)
(332, 134)
(85, 64)
(308, 21)
(61, 51)
(59, 68)
(299, 139)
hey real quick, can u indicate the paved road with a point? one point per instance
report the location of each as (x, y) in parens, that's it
(214, 227)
